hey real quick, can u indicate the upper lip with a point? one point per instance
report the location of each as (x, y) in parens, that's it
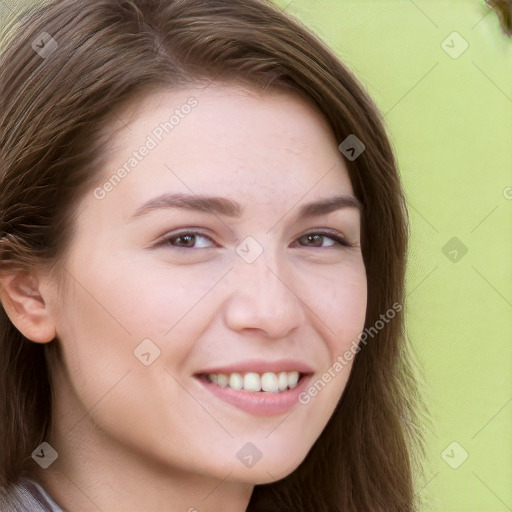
(260, 366)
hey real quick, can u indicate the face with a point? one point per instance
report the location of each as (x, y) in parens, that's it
(169, 294)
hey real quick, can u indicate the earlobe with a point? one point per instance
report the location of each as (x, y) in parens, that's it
(26, 307)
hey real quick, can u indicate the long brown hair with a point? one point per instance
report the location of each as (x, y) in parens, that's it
(55, 103)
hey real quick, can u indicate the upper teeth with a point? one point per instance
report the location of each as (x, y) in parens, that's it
(268, 381)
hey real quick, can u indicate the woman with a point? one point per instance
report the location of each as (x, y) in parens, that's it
(203, 245)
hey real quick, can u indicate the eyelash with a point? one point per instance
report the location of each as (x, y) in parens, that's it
(334, 235)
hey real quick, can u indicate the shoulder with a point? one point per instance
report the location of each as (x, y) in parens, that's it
(27, 496)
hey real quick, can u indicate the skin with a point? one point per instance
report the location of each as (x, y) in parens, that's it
(132, 437)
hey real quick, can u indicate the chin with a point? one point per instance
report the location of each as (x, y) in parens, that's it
(273, 470)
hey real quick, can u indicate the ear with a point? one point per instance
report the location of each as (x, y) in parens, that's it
(25, 305)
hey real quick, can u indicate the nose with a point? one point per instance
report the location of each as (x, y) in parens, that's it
(263, 300)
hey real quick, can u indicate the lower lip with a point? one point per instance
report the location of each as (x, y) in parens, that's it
(259, 403)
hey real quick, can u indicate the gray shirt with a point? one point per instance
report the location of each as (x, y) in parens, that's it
(28, 496)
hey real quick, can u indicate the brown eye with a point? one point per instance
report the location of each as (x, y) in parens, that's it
(317, 239)
(187, 240)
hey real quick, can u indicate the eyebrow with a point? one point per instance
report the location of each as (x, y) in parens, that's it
(230, 208)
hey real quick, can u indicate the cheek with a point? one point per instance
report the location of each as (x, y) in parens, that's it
(133, 298)
(340, 304)
(348, 317)
(155, 299)
(110, 307)
(96, 340)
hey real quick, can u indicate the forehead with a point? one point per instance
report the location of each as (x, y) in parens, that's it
(275, 117)
(224, 138)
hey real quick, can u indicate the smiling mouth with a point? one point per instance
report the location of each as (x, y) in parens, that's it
(253, 382)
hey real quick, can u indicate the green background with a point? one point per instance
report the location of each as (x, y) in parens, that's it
(449, 116)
